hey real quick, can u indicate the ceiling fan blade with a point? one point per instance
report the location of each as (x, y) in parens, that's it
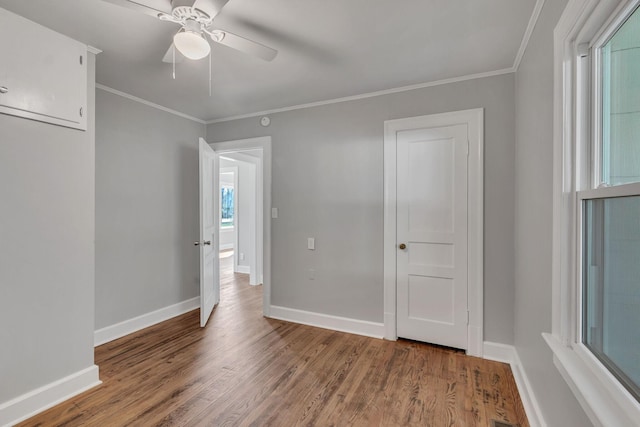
(245, 45)
(210, 7)
(149, 7)
(168, 57)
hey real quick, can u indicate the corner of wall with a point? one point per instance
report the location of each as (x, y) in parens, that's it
(508, 354)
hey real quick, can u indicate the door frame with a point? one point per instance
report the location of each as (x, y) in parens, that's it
(263, 143)
(474, 119)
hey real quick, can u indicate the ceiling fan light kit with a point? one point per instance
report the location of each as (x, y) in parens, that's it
(191, 44)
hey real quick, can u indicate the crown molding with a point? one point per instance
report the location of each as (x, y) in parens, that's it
(148, 103)
(533, 20)
(368, 95)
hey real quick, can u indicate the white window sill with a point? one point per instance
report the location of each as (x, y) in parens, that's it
(604, 400)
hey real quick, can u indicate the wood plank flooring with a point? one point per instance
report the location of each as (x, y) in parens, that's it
(245, 370)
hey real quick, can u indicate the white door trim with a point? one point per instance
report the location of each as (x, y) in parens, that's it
(475, 198)
(264, 143)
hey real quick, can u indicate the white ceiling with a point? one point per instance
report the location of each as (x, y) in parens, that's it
(327, 48)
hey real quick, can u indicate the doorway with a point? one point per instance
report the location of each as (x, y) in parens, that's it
(433, 229)
(240, 210)
(254, 255)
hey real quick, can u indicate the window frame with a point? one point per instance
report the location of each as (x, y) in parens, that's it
(585, 24)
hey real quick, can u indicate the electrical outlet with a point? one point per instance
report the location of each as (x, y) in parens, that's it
(311, 243)
(312, 274)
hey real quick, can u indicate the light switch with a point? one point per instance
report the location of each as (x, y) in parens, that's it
(311, 243)
(274, 212)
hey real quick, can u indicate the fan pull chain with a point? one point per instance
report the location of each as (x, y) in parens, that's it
(210, 74)
(173, 50)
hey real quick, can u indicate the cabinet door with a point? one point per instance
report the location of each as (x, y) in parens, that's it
(43, 74)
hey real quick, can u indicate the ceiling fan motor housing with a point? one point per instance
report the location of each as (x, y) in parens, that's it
(184, 14)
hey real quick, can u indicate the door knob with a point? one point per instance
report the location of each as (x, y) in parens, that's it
(206, 242)
(402, 246)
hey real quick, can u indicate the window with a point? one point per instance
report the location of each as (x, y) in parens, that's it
(610, 255)
(596, 274)
(227, 206)
(611, 286)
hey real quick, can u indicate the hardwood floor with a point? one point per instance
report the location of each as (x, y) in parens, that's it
(245, 370)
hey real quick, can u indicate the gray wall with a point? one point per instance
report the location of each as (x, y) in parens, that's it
(146, 209)
(327, 184)
(533, 222)
(46, 251)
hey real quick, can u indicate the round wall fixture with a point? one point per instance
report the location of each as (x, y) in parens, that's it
(265, 121)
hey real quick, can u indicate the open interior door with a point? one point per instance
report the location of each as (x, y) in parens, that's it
(208, 242)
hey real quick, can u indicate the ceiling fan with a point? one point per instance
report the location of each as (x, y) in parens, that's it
(196, 20)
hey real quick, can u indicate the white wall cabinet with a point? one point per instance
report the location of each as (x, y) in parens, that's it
(43, 74)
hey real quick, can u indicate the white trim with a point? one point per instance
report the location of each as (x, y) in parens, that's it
(498, 352)
(227, 246)
(244, 269)
(326, 321)
(47, 396)
(599, 398)
(508, 354)
(623, 190)
(389, 239)
(149, 103)
(533, 20)
(474, 118)
(368, 95)
(130, 326)
(262, 143)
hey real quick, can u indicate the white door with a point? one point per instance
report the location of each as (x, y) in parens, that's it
(208, 242)
(432, 235)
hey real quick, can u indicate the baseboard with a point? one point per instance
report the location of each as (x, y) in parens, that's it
(498, 352)
(42, 398)
(244, 269)
(326, 321)
(508, 354)
(127, 327)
